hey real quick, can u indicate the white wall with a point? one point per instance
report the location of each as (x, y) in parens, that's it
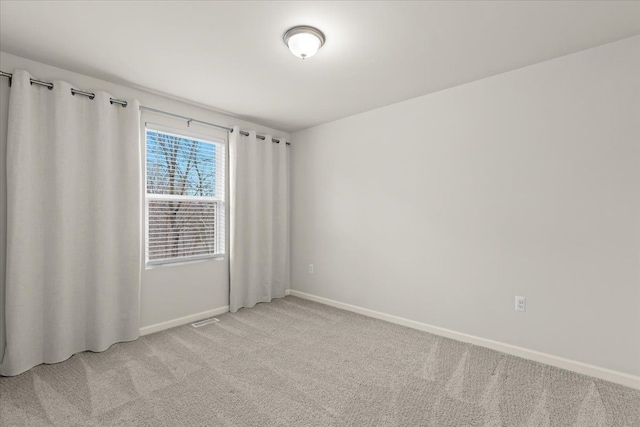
(442, 208)
(168, 292)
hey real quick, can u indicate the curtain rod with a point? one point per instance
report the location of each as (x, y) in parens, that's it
(49, 85)
(190, 120)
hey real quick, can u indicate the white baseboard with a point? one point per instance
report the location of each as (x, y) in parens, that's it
(525, 353)
(183, 320)
(188, 319)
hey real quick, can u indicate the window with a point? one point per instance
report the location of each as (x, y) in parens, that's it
(185, 207)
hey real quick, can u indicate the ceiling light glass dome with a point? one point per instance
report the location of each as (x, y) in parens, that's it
(304, 41)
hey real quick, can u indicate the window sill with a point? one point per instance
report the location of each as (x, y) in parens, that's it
(151, 266)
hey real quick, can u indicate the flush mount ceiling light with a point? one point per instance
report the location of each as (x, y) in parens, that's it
(304, 41)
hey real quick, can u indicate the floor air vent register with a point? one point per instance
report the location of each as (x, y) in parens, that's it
(204, 322)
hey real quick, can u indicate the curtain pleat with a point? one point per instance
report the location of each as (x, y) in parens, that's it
(73, 224)
(259, 245)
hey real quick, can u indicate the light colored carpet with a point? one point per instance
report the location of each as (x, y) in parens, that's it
(297, 363)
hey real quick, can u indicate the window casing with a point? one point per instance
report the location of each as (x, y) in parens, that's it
(185, 196)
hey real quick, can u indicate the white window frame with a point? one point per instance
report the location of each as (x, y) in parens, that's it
(220, 227)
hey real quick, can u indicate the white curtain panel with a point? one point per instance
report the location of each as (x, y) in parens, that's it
(259, 260)
(73, 224)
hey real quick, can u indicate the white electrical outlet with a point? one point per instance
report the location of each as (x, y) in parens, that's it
(521, 304)
(310, 268)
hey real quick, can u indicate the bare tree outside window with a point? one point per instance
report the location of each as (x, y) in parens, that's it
(185, 197)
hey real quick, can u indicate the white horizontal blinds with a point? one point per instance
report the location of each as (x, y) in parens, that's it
(181, 228)
(185, 207)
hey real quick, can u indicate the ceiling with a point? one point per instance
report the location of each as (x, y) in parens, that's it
(230, 55)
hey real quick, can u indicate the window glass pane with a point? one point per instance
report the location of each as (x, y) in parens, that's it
(179, 165)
